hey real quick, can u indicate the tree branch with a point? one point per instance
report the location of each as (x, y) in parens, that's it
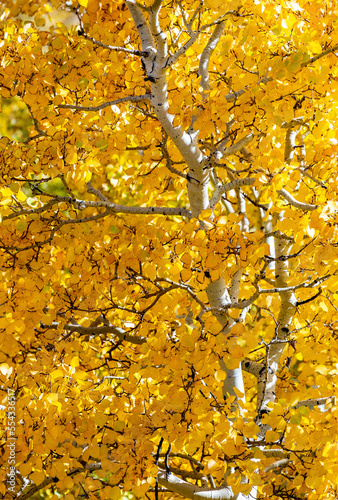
(295, 203)
(115, 208)
(310, 284)
(225, 188)
(134, 52)
(188, 490)
(203, 69)
(98, 330)
(51, 480)
(145, 97)
(316, 402)
(319, 56)
(280, 463)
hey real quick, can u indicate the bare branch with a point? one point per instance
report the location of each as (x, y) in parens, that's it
(225, 188)
(142, 26)
(96, 192)
(36, 125)
(182, 50)
(194, 35)
(134, 52)
(310, 284)
(316, 402)
(319, 56)
(188, 289)
(233, 96)
(253, 367)
(189, 490)
(203, 70)
(158, 35)
(276, 465)
(295, 203)
(169, 162)
(313, 297)
(50, 480)
(231, 150)
(115, 208)
(98, 330)
(38, 210)
(145, 97)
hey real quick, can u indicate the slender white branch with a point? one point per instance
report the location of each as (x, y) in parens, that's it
(322, 54)
(98, 330)
(134, 52)
(316, 402)
(137, 98)
(225, 188)
(186, 143)
(231, 150)
(182, 50)
(233, 96)
(242, 303)
(203, 69)
(189, 490)
(295, 203)
(116, 208)
(38, 210)
(308, 284)
(276, 465)
(194, 35)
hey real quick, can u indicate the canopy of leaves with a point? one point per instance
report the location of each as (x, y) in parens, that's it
(168, 222)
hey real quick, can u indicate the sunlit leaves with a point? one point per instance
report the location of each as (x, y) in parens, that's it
(91, 397)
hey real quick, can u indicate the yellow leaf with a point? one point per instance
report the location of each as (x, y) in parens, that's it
(322, 369)
(79, 374)
(271, 436)
(220, 375)
(119, 426)
(75, 362)
(57, 374)
(115, 493)
(25, 469)
(71, 155)
(51, 443)
(205, 214)
(21, 225)
(53, 399)
(187, 341)
(37, 477)
(238, 392)
(100, 419)
(186, 274)
(150, 271)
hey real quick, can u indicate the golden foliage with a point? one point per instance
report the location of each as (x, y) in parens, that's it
(107, 334)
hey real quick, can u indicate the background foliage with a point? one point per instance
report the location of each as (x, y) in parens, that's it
(141, 269)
